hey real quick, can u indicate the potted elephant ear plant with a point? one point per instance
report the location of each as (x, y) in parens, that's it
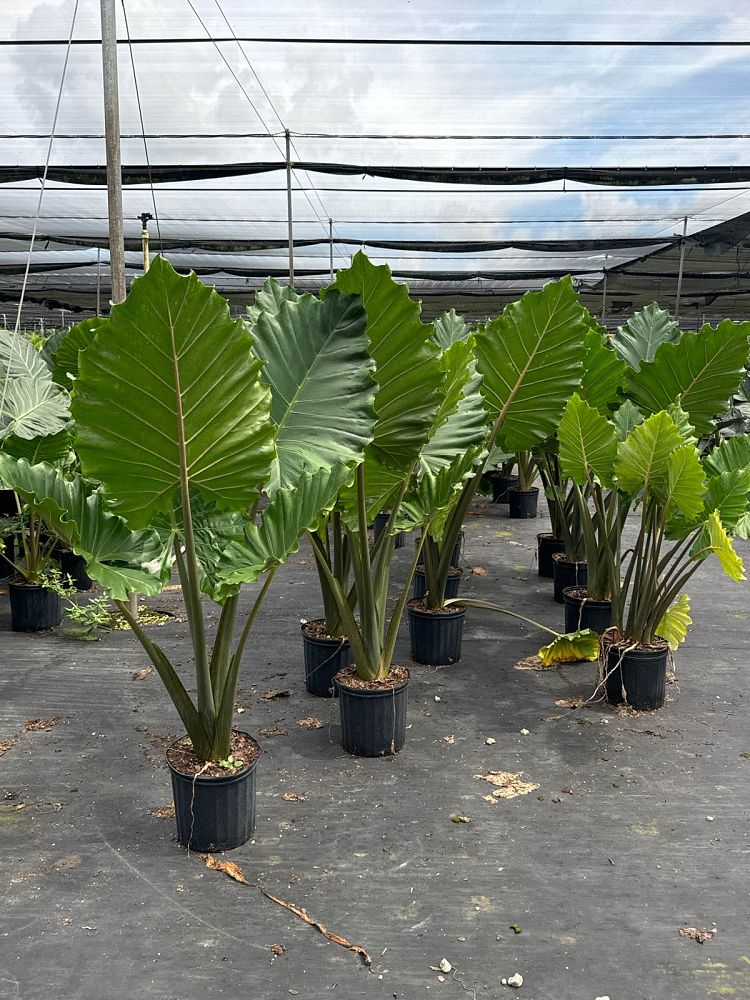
(34, 424)
(684, 518)
(524, 497)
(410, 380)
(176, 421)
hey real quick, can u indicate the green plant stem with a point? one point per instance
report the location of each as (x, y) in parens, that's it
(392, 635)
(470, 602)
(371, 625)
(222, 648)
(194, 610)
(200, 737)
(222, 732)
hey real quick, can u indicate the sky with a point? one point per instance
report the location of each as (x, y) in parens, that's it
(391, 90)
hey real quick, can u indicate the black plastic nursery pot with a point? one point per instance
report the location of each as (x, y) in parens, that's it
(8, 505)
(378, 527)
(324, 657)
(435, 636)
(581, 611)
(373, 713)
(451, 584)
(523, 503)
(214, 813)
(33, 608)
(500, 486)
(567, 573)
(637, 677)
(9, 550)
(546, 546)
(74, 567)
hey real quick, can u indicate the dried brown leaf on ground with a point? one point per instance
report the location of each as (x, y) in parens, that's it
(696, 934)
(533, 663)
(294, 797)
(275, 693)
(278, 949)
(479, 571)
(164, 812)
(449, 739)
(233, 871)
(569, 702)
(271, 731)
(6, 745)
(139, 675)
(41, 725)
(311, 722)
(460, 819)
(509, 784)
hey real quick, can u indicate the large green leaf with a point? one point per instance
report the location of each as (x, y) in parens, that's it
(461, 421)
(169, 383)
(587, 442)
(727, 493)
(702, 370)
(637, 341)
(450, 328)
(64, 360)
(531, 360)
(407, 365)
(675, 621)
(603, 373)
(269, 299)
(52, 448)
(732, 454)
(121, 560)
(291, 512)
(625, 418)
(434, 495)
(685, 482)
(32, 407)
(643, 457)
(322, 390)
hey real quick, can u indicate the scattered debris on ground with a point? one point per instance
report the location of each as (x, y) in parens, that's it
(700, 935)
(311, 722)
(42, 725)
(274, 694)
(509, 784)
(141, 674)
(270, 731)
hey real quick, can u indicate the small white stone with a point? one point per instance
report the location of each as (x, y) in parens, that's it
(525, 732)
(445, 965)
(516, 980)
(437, 697)
(710, 819)
(441, 979)
(602, 998)
(490, 741)
(504, 982)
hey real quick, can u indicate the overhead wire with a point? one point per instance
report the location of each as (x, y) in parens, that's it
(44, 179)
(239, 83)
(143, 127)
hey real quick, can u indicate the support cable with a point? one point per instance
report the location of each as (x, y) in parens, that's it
(143, 128)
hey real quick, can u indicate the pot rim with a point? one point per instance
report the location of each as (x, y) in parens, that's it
(442, 613)
(357, 692)
(592, 601)
(218, 779)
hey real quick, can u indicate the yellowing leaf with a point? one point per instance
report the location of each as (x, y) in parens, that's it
(721, 546)
(571, 647)
(674, 625)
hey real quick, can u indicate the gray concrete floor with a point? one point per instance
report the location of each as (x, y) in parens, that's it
(99, 901)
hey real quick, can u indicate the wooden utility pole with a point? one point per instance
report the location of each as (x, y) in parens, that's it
(114, 166)
(683, 241)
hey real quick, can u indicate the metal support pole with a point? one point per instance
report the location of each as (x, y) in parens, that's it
(98, 281)
(112, 139)
(114, 166)
(144, 240)
(62, 319)
(330, 245)
(604, 292)
(289, 205)
(679, 273)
